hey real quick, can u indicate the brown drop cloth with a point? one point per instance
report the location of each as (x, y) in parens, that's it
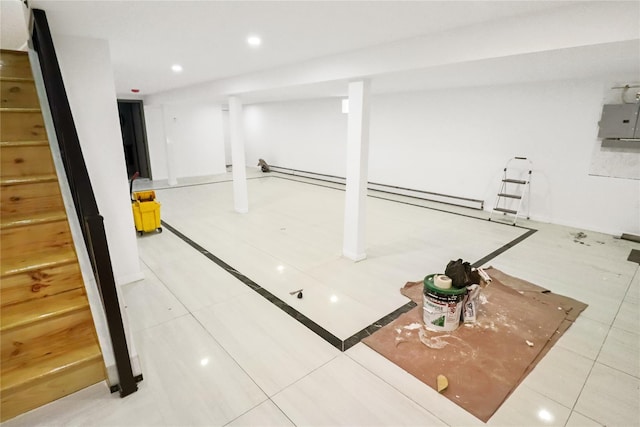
(486, 361)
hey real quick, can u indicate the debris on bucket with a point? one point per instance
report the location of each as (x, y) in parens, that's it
(529, 343)
(459, 272)
(470, 305)
(483, 275)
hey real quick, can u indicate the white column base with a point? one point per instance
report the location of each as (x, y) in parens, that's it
(353, 256)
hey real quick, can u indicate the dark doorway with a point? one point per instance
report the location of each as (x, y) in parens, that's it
(134, 138)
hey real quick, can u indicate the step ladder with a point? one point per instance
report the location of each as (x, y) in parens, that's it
(516, 185)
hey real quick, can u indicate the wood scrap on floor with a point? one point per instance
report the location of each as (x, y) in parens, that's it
(443, 383)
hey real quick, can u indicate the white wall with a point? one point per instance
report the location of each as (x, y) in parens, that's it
(196, 136)
(86, 69)
(306, 135)
(156, 142)
(13, 31)
(457, 142)
(88, 76)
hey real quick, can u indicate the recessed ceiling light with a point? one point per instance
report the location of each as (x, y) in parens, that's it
(254, 41)
(176, 68)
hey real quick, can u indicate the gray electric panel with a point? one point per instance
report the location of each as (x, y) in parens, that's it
(619, 121)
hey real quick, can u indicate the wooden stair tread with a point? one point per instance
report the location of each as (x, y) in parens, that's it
(22, 314)
(8, 53)
(26, 376)
(22, 200)
(18, 94)
(20, 160)
(12, 52)
(33, 219)
(39, 143)
(16, 79)
(15, 64)
(33, 179)
(19, 110)
(51, 387)
(44, 259)
(39, 284)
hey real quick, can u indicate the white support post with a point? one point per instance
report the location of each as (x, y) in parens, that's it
(171, 170)
(357, 171)
(239, 172)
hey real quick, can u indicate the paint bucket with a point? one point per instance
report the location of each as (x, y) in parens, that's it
(441, 307)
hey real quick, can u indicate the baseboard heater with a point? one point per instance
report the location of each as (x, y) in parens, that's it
(389, 189)
(630, 237)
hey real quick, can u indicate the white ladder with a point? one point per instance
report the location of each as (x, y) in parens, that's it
(516, 185)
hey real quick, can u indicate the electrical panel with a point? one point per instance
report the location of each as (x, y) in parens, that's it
(620, 121)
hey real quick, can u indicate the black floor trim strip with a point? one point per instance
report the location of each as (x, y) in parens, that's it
(357, 337)
(310, 324)
(197, 184)
(503, 249)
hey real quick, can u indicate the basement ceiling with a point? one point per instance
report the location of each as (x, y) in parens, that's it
(587, 62)
(208, 38)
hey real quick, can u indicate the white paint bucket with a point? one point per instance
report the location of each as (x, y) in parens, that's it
(441, 307)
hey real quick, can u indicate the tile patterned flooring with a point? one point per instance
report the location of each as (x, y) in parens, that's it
(214, 352)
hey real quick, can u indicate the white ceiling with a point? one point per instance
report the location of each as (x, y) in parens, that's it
(605, 60)
(208, 38)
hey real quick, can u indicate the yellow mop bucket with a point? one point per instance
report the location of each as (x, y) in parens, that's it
(146, 210)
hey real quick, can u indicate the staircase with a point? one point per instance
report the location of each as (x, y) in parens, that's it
(48, 340)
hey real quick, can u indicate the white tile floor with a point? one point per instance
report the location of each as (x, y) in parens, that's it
(214, 352)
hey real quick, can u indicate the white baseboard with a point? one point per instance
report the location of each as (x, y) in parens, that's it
(129, 278)
(353, 256)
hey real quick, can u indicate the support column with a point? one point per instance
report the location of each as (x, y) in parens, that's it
(171, 170)
(238, 168)
(357, 171)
